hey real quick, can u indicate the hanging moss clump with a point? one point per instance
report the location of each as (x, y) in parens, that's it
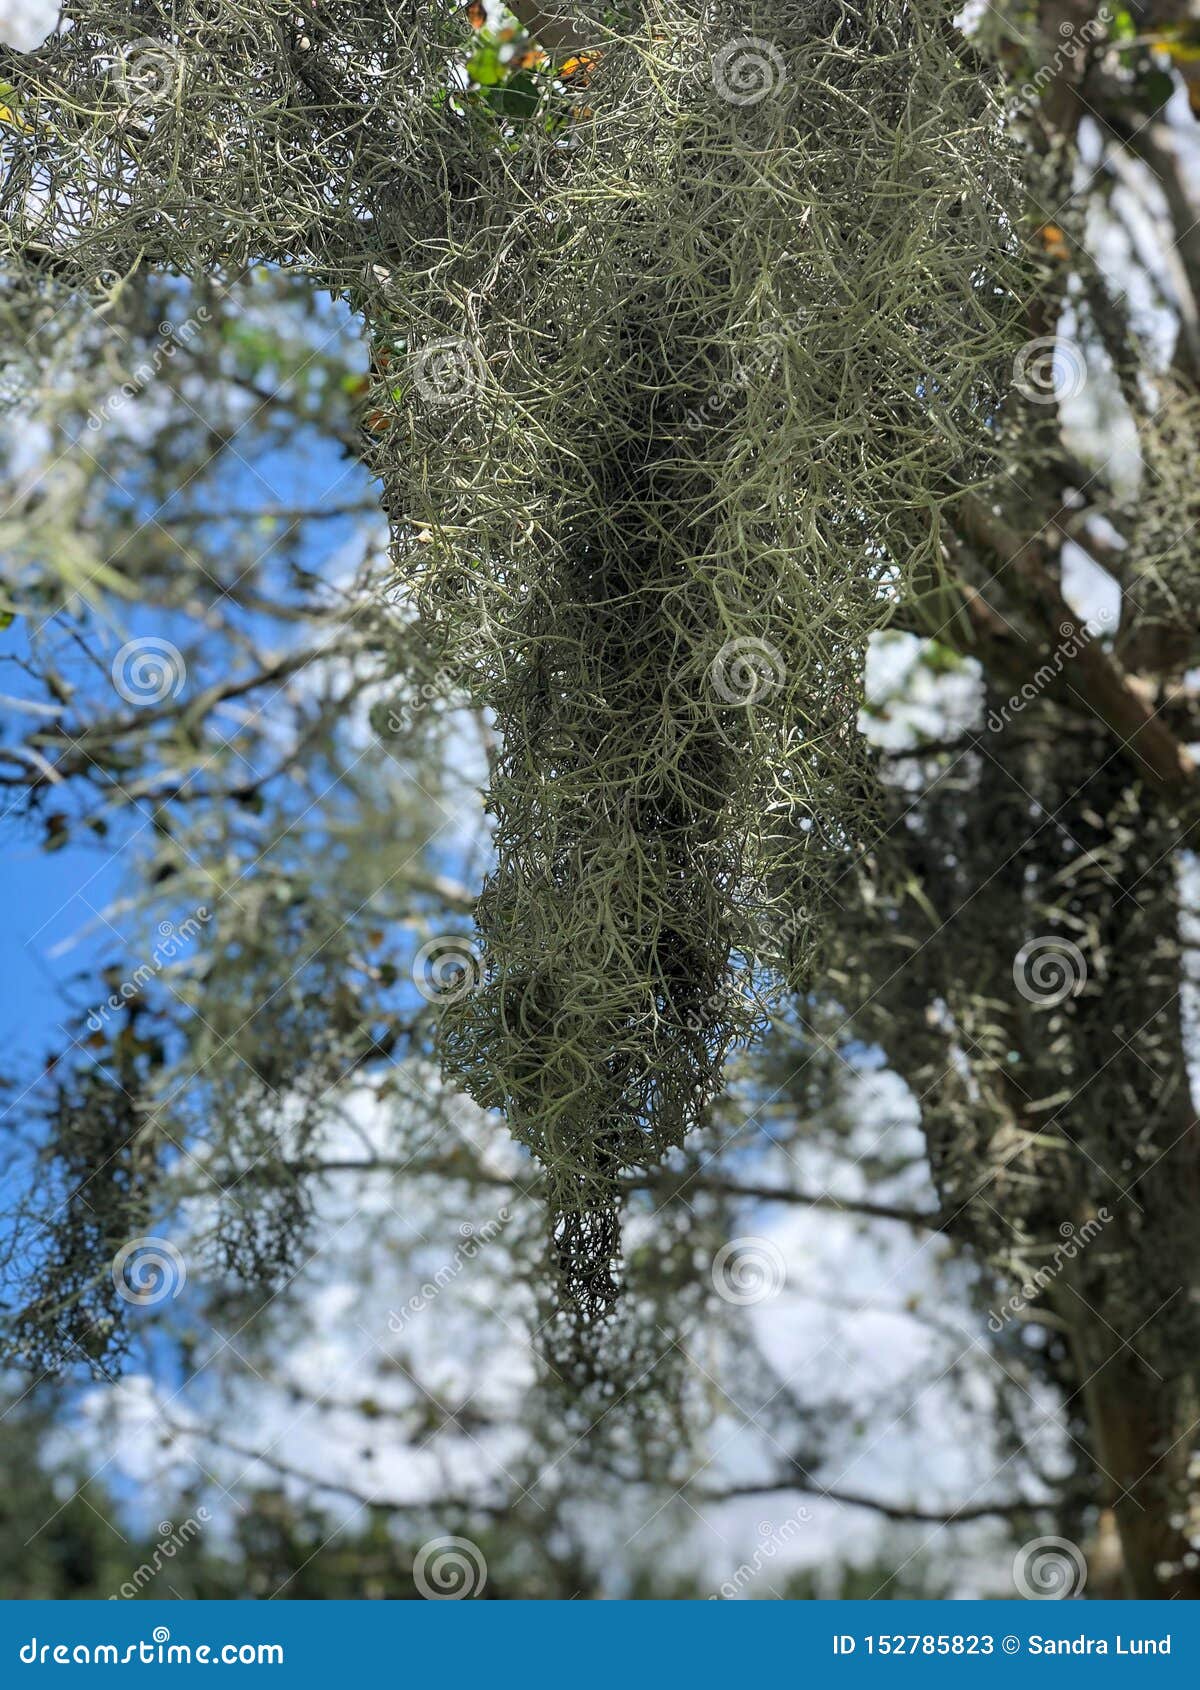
(694, 378)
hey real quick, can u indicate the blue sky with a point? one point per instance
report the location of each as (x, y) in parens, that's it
(51, 896)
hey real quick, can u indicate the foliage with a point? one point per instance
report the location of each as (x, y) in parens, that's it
(678, 388)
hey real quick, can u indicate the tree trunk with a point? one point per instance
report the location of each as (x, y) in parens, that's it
(1056, 1105)
(1143, 1428)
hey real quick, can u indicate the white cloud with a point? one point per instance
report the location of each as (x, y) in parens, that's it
(25, 24)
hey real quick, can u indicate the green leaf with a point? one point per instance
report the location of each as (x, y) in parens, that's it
(518, 98)
(1156, 88)
(941, 659)
(10, 109)
(484, 67)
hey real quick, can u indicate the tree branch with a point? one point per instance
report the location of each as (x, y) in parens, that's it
(557, 30)
(924, 1220)
(1097, 679)
(799, 1480)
